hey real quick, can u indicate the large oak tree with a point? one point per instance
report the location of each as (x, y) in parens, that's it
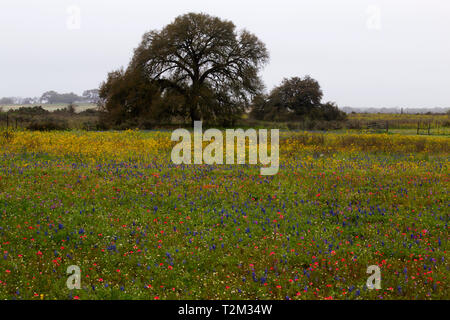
(206, 61)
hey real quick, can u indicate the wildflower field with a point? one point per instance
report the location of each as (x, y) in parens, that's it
(140, 227)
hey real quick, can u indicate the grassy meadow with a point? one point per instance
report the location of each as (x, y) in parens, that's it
(433, 124)
(140, 227)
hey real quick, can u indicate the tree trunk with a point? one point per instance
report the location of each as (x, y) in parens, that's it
(192, 105)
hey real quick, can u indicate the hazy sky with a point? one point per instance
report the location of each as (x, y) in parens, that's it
(363, 53)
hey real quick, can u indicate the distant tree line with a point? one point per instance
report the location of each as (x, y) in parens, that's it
(435, 110)
(38, 118)
(6, 100)
(53, 97)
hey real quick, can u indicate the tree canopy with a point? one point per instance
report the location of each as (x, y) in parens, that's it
(295, 98)
(202, 60)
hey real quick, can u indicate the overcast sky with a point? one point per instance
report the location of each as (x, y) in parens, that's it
(391, 53)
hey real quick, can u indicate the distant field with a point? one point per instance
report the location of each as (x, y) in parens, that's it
(433, 124)
(50, 107)
(405, 120)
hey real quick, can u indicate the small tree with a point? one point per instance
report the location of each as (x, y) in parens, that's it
(296, 98)
(329, 111)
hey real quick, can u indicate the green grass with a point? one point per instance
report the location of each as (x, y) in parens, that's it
(147, 230)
